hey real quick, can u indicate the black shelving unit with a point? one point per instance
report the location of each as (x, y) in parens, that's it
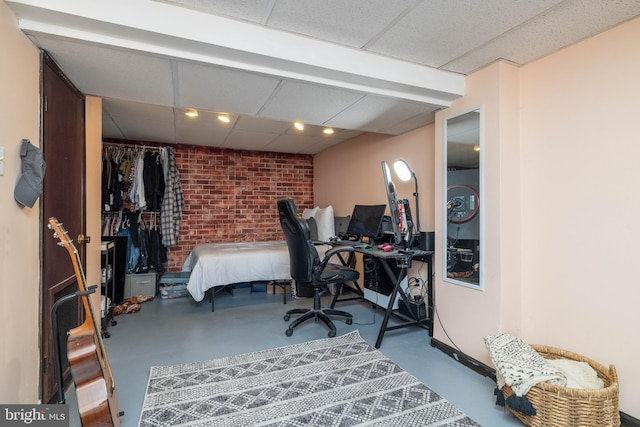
(108, 264)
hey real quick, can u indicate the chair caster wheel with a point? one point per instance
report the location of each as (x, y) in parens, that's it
(114, 322)
(332, 334)
(286, 317)
(106, 334)
(349, 321)
(288, 332)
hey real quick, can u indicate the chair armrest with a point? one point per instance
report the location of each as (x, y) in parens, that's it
(333, 251)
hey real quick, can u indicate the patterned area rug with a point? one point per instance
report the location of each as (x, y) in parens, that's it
(340, 381)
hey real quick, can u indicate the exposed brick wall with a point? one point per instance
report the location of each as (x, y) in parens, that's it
(230, 196)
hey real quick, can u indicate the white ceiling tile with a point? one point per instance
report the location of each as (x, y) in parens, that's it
(257, 124)
(110, 129)
(138, 121)
(117, 108)
(344, 134)
(291, 143)
(375, 113)
(246, 10)
(309, 131)
(202, 134)
(410, 124)
(569, 23)
(113, 73)
(205, 118)
(350, 23)
(312, 104)
(220, 89)
(245, 140)
(435, 34)
(135, 128)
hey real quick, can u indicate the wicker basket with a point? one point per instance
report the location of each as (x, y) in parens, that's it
(561, 407)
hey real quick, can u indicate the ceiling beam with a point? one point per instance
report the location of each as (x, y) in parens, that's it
(186, 34)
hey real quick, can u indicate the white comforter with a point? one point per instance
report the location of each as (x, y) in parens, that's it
(220, 264)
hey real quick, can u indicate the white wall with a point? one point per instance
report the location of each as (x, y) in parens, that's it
(19, 226)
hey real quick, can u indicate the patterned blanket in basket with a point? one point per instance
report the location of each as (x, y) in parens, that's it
(520, 367)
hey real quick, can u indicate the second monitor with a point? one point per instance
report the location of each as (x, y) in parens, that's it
(366, 221)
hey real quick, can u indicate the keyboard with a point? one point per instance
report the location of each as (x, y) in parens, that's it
(352, 243)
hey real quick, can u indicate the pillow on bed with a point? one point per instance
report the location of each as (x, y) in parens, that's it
(310, 213)
(313, 228)
(326, 225)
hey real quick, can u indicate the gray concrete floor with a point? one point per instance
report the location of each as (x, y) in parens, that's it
(167, 332)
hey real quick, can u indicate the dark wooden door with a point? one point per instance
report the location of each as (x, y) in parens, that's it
(63, 144)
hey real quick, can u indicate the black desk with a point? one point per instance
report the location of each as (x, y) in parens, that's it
(403, 260)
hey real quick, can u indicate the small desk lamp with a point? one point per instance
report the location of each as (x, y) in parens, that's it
(404, 172)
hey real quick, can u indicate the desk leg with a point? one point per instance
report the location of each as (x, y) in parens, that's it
(397, 280)
(354, 288)
(430, 299)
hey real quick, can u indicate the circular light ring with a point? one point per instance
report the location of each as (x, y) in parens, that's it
(464, 189)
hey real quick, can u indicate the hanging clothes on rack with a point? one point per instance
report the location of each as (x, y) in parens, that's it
(157, 251)
(137, 191)
(140, 183)
(153, 177)
(172, 201)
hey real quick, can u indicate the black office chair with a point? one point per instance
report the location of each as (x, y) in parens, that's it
(308, 270)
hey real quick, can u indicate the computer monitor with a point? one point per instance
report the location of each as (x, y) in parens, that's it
(395, 210)
(366, 220)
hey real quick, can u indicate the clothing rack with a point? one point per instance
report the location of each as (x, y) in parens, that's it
(125, 159)
(136, 147)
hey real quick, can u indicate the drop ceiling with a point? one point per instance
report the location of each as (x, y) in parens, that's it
(356, 66)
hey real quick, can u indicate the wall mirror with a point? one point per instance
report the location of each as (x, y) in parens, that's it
(463, 191)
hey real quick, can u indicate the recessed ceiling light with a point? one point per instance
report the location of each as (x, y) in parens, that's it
(327, 131)
(224, 117)
(191, 112)
(298, 125)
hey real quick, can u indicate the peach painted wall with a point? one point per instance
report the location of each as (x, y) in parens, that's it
(351, 173)
(469, 314)
(19, 226)
(580, 202)
(560, 149)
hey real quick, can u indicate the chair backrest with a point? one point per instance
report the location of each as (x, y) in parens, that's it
(302, 253)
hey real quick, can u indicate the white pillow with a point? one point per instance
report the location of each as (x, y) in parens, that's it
(310, 213)
(326, 224)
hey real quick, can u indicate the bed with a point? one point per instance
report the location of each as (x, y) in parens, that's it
(215, 265)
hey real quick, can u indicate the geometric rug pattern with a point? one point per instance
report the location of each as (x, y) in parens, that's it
(340, 381)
